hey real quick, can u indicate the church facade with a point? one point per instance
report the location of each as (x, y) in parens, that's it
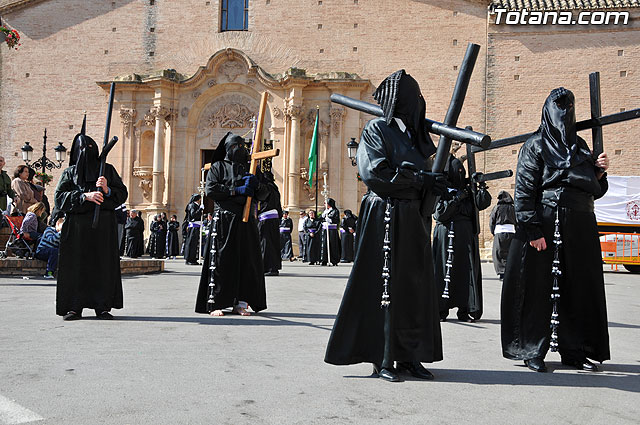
(188, 71)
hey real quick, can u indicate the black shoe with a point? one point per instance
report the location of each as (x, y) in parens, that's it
(536, 364)
(583, 364)
(385, 374)
(194, 264)
(272, 273)
(105, 315)
(415, 369)
(72, 315)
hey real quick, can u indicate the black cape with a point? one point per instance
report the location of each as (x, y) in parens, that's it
(268, 228)
(358, 334)
(526, 307)
(331, 253)
(286, 246)
(465, 286)
(173, 240)
(134, 230)
(503, 213)
(238, 274)
(347, 230)
(89, 262)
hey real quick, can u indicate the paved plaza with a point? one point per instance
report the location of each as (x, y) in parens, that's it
(161, 363)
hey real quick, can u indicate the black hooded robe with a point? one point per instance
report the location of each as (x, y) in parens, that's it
(358, 334)
(134, 232)
(331, 253)
(269, 214)
(555, 177)
(286, 246)
(173, 240)
(465, 286)
(193, 216)
(157, 238)
(347, 230)
(237, 261)
(89, 262)
(503, 216)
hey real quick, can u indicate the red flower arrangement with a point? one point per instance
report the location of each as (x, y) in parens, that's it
(12, 38)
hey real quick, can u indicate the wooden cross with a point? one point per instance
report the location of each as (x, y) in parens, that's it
(257, 155)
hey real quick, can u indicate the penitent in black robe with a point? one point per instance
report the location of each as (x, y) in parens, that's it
(89, 262)
(134, 230)
(314, 240)
(358, 334)
(238, 274)
(269, 214)
(347, 230)
(286, 246)
(331, 251)
(193, 216)
(173, 243)
(465, 287)
(157, 239)
(525, 307)
(503, 215)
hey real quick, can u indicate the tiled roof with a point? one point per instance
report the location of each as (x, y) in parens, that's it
(562, 4)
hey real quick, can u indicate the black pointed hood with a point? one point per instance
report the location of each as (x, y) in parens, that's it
(231, 148)
(399, 96)
(560, 147)
(85, 156)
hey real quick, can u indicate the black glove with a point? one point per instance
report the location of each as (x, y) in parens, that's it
(433, 182)
(462, 194)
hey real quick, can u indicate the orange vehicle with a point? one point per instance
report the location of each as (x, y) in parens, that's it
(618, 215)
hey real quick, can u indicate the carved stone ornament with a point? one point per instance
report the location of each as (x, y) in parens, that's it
(277, 113)
(149, 119)
(231, 70)
(251, 82)
(228, 111)
(147, 186)
(337, 116)
(127, 115)
(196, 94)
(304, 176)
(294, 111)
(160, 112)
(184, 112)
(212, 82)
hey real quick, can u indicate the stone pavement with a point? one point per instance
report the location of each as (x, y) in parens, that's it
(160, 363)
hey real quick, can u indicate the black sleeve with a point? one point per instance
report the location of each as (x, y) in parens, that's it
(492, 220)
(215, 187)
(119, 191)
(604, 186)
(374, 166)
(68, 196)
(528, 180)
(446, 210)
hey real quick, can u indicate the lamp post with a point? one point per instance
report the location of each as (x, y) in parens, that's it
(43, 162)
(352, 149)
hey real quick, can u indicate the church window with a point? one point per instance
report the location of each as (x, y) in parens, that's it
(235, 15)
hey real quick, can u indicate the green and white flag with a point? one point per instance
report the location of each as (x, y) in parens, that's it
(313, 157)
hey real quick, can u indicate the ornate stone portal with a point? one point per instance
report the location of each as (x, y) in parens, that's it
(169, 123)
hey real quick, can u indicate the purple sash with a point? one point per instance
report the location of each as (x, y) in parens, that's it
(285, 230)
(268, 215)
(329, 226)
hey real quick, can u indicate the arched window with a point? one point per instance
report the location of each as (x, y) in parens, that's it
(235, 15)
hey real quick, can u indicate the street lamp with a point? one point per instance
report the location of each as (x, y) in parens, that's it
(44, 162)
(352, 149)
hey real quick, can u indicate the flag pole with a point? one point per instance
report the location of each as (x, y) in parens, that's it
(317, 156)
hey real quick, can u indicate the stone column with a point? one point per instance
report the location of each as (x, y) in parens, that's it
(295, 113)
(159, 112)
(127, 116)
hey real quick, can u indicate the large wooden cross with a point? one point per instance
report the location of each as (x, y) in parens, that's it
(257, 155)
(595, 123)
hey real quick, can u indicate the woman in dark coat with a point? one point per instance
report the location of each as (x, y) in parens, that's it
(502, 224)
(458, 213)
(347, 232)
(193, 221)
(330, 239)
(157, 238)
(313, 227)
(555, 253)
(173, 240)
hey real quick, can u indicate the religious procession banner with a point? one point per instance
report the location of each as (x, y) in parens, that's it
(313, 151)
(621, 203)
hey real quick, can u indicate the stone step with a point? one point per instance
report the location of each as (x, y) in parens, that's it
(13, 266)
